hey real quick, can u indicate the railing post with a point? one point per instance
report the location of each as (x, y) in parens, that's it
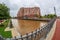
(21, 37)
(27, 37)
(35, 34)
(32, 35)
(39, 32)
(38, 36)
(16, 38)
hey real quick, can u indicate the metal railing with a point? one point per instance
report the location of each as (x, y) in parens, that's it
(36, 35)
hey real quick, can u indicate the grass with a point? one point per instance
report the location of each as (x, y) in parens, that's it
(5, 34)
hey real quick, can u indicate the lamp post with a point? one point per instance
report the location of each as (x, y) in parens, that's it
(55, 11)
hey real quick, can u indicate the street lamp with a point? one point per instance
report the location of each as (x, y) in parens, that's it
(55, 11)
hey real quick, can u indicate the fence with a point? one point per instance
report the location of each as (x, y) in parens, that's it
(36, 35)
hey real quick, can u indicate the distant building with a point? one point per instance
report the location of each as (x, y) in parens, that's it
(29, 12)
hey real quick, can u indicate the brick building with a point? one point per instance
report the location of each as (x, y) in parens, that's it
(29, 12)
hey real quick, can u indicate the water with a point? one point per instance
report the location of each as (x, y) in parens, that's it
(27, 26)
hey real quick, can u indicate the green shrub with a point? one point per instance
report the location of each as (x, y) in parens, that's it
(5, 34)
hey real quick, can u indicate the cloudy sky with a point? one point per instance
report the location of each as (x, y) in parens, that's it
(46, 6)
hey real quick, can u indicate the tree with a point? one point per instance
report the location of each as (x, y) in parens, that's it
(4, 11)
(49, 16)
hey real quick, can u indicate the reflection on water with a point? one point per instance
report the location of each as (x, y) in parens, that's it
(26, 26)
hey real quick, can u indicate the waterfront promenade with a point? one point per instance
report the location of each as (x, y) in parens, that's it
(56, 35)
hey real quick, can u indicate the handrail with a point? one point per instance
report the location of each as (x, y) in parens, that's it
(37, 34)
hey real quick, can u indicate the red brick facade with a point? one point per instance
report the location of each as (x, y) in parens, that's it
(30, 12)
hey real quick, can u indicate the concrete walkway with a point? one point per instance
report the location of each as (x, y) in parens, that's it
(57, 31)
(51, 33)
(13, 31)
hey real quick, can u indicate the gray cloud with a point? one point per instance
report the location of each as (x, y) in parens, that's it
(46, 6)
